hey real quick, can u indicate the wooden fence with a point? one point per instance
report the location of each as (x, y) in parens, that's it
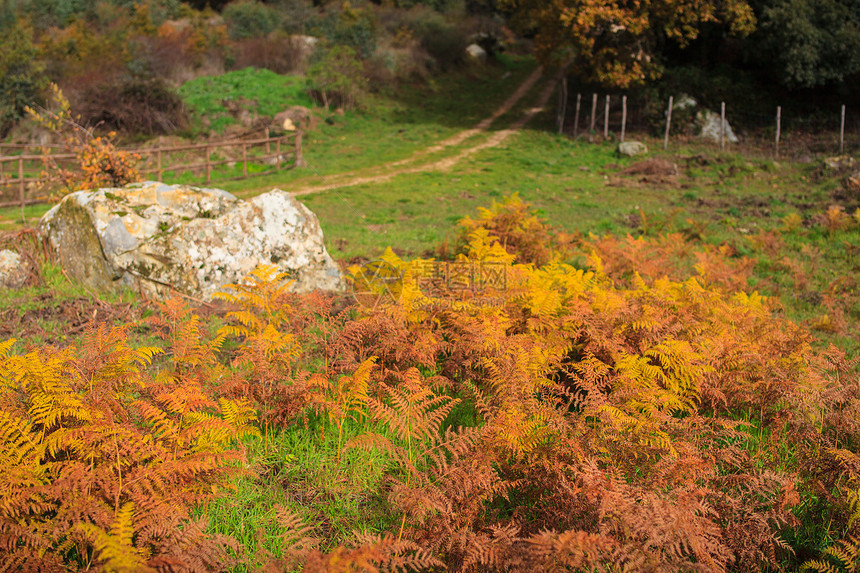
(20, 174)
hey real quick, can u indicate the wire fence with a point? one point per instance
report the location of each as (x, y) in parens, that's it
(785, 134)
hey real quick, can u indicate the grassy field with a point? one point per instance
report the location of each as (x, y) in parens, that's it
(796, 226)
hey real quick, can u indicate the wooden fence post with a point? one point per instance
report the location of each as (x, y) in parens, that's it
(778, 126)
(606, 119)
(278, 153)
(160, 168)
(593, 113)
(722, 126)
(576, 117)
(244, 159)
(623, 116)
(300, 160)
(21, 187)
(562, 105)
(842, 133)
(208, 165)
(668, 124)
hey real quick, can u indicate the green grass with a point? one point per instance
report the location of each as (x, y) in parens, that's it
(261, 91)
(299, 469)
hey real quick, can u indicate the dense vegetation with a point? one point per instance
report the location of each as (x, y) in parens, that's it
(650, 366)
(120, 62)
(631, 414)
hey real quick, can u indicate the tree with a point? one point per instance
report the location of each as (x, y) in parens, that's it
(21, 77)
(616, 42)
(808, 43)
(337, 78)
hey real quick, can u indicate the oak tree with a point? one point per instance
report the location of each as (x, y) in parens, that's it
(616, 42)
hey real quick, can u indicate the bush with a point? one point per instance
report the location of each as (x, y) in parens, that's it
(352, 27)
(97, 161)
(132, 105)
(337, 78)
(298, 15)
(278, 52)
(250, 19)
(444, 41)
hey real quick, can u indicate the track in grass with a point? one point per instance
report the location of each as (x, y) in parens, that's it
(414, 164)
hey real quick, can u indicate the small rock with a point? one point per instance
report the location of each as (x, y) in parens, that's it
(476, 52)
(296, 117)
(13, 270)
(632, 148)
(840, 162)
(684, 102)
(306, 44)
(852, 183)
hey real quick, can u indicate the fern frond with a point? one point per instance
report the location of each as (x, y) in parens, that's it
(240, 416)
(115, 548)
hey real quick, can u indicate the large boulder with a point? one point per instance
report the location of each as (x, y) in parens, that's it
(708, 123)
(159, 238)
(702, 122)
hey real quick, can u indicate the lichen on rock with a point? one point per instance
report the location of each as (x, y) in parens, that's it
(159, 238)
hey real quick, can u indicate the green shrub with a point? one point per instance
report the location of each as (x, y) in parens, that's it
(352, 27)
(444, 41)
(250, 19)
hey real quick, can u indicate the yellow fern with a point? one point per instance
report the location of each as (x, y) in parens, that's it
(114, 548)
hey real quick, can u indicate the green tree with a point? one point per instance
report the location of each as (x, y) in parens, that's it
(338, 77)
(808, 43)
(21, 75)
(616, 42)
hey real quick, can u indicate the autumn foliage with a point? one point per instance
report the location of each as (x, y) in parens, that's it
(644, 413)
(96, 161)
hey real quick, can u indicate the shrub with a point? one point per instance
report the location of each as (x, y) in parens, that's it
(277, 52)
(444, 41)
(250, 19)
(132, 105)
(352, 27)
(97, 162)
(298, 15)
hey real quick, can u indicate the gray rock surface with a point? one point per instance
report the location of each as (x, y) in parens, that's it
(709, 127)
(632, 148)
(296, 117)
(13, 270)
(839, 162)
(159, 238)
(476, 52)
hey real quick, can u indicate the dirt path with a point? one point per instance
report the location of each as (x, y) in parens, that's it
(413, 164)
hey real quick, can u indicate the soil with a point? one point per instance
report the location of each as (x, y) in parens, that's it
(71, 315)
